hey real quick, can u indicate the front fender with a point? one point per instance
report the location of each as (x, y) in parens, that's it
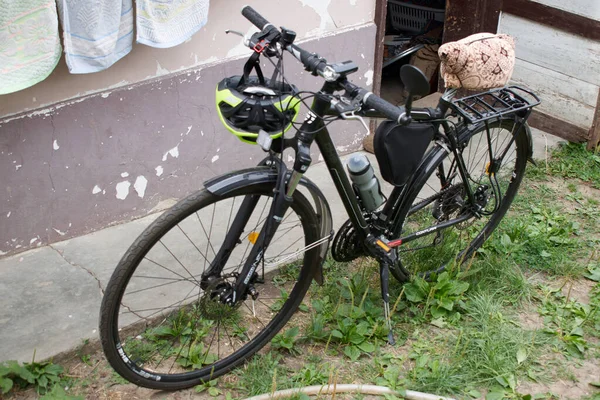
(224, 184)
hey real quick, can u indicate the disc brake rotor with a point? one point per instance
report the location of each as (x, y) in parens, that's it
(212, 304)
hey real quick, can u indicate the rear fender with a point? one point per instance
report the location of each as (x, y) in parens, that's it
(224, 184)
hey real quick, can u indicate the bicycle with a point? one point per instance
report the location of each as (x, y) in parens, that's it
(243, 251)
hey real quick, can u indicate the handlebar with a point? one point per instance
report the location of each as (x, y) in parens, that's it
(257, 20)
(386, 108)
(317, 65)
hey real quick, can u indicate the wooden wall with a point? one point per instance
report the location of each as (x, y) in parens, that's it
(562, 67)
(558, 56)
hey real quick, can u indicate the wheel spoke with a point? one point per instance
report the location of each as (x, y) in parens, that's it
(430, 252)
(175, 323)
(180, 263)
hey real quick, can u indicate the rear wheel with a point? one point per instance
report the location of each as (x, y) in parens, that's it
(162, 329)
(495, 167)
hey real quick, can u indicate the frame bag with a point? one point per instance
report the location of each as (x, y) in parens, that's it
(400, 149)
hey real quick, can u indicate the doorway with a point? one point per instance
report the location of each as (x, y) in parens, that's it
(413, 32)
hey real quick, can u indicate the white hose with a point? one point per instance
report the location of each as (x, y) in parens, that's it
(363, 389)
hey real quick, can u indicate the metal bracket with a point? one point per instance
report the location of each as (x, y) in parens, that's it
(246, 40)
(352, 116)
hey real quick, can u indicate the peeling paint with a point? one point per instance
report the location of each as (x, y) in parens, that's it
(96, 189)
(55, 145)
(160, 70)
(124, 174)
(174, 152)
(140, 185)
(17, 167)
(33, 240)
(105, 95)
(189, 129)
(123, 190)
(369, 76)
(159, 170)
(321, 8)
(215, 158)
(61, 233)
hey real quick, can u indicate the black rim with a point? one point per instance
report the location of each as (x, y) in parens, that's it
(232, 339)
(436, 203)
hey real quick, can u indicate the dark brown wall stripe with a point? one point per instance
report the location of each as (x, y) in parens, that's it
(558, 127)
(559, 19)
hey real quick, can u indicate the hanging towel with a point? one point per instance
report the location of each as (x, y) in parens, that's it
(97, 33)
(167, 23)
(29, 43)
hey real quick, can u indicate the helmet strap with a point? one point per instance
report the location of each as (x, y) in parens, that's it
(273, 82)
(253, 63)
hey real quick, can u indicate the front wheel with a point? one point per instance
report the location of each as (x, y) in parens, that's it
(162, 327)
(495, 166)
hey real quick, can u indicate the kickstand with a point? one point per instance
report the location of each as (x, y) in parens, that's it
(384, 272)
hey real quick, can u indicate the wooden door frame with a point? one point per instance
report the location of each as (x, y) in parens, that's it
(483, 16)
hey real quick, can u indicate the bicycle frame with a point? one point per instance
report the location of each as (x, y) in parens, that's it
(314, 130)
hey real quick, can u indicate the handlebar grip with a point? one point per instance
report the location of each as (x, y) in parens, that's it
(254, 17)
(388, 109)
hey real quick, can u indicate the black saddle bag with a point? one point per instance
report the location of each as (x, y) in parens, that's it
(400, 149)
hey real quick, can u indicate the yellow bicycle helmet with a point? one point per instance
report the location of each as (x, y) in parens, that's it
(247, 105)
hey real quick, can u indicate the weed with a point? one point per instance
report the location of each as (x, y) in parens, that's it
(539, 237)
(593, 272)
(287, 341)
(565, 319)
(261, 374)
(439, 298)
(286, 273)
(43, 376)
(575, 161)
(58, 393)
(311, 374)
(389, 371)
(194, 356)
(210, 387)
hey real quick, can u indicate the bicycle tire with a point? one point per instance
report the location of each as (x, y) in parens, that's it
(111, 307)
(419, 257)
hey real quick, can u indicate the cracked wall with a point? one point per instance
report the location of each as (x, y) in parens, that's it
(120, 154)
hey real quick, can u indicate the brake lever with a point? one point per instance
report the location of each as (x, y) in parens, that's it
(347, 111)
(351, 115)
(234, 32)
(246, 40)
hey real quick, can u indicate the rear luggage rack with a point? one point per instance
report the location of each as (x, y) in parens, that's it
(495, 103)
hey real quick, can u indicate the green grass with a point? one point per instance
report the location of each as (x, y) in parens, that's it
(460, 333)
(574, 161)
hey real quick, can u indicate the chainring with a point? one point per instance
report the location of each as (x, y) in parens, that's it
(346, 244)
